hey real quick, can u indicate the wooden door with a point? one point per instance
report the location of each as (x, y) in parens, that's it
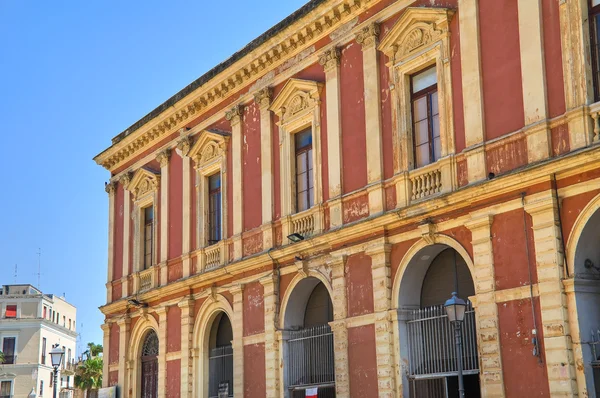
(149, 377)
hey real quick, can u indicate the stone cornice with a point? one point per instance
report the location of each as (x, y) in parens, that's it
(292, 38)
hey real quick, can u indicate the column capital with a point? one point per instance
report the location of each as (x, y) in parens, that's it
(479, 221)
(234, 115)
(161, 311)
(106, 326)
(380, 246)
(125, 179)
(237, 291)
(540, 203)
(268, 280)
(184, 145)
(368, 36)
(337, 260)
(163, 157)
(330, 59)
(263, 98)
(125, 321)
(186, 303)
(110, 188)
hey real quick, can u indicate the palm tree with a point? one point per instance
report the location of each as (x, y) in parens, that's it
(1, 357)
(88, 375)
(93, 350)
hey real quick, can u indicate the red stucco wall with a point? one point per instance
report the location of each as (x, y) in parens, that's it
(457, 92)
(524, 374)
(251, 174)
(386, 106)
(113, 378)
(254, 315)
(118, 236)
(359, 284)
(506, 157)
(254, 371)
(362, 362)
(553, 57)
(354, 162)
(175, 204)
(113, 344)
(560, 139)
(173, 329)
(173, 385)
(355, 208)
(501, 67)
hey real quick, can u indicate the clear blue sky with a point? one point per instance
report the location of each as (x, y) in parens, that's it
(73, 74)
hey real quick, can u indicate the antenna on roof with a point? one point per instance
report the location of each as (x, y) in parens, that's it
(15, 274)
(39, 273)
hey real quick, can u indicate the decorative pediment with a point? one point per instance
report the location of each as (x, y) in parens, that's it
(297, 98)
(417, 29)
(143, 182)
(211, 144)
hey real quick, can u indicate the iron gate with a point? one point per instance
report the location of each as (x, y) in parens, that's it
(431, 347)
(220, 368)
(310, 357)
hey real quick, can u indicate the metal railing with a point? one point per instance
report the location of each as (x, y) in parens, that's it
(310, 357)
(431, 346)
(213, 256)
(9, 360)
(146, 279)
(220, 369)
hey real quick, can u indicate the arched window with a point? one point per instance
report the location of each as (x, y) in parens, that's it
(149, 359)
(220, 357)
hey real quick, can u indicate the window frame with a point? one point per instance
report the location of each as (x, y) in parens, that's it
(15, 349)
(145, 240)
(44, 348)
(426, 93)
(12, 386)
(309, 172)
(594, 11)
(211, 240)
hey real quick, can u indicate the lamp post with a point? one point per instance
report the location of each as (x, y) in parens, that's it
(455, 309)
(56, 356)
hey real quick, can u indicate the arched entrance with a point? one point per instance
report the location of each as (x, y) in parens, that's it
(220, 357)
(149, 366)
(427, 346)
(308, 348)
(584, 265)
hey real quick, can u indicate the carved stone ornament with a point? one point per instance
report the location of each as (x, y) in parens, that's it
(210, 144)
(417, 29)
(263, 97)
(429, 232)
(296, 98)
(144, 181)
(110, 188)
(125, 180)
(184, 145)
(163, 157)
(302, 267)
(368, 36)
(213, 293)
(330, 58)
(234, 115)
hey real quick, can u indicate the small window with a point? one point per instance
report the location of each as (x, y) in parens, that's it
(11, 311)
(5, 389)
(41, 388)
(64, 349)
(214, 208)
(44, 351)
(304, 170)
(8, 349)
(425, 115)
(45, 311)
(148, 236)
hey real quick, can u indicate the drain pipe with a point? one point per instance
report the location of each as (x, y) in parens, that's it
(277, 272)
(560, 227)
(534, 338)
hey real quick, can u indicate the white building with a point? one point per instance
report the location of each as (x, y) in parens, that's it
(31, 322)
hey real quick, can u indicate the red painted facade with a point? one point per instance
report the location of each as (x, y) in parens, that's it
(359, 285)
(362, 362)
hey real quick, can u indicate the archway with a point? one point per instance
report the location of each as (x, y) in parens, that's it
(308, 348)
(584, 267)
(220, 357)
(149, 366)
(428, 276)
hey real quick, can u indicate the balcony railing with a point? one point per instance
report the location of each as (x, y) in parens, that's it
(310, 357)
(425, 182)
(146, 279)
(213, 256)
(9, 360)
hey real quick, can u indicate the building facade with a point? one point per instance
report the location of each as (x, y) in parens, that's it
(296, 217)
(30, 325)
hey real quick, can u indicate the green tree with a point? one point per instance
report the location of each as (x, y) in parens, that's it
(93, 350)
(88, 375)
(1, 357)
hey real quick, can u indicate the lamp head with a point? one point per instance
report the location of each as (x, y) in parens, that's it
(56, 356)
(295, 237)
(455, 308)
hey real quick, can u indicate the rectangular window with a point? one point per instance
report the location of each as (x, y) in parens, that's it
(11, 311)
(69, 356)
(41, 388)
(148, 236)
(8, 348)
(425, 114)
(305, 190)
(595, 45)
(69, 323)
(44, 351)
(214, 208)
(5, 389)
(45, 311)
(63, 357)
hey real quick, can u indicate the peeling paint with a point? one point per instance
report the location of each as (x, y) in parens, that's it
(343, 30)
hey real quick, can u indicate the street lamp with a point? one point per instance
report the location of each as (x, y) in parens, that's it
(56, 356)
(455, 309)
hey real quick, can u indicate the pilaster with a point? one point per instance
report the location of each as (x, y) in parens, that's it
(183, 146)
(577, 70)
(187, 326)
(470, 58)
(106, 349)
(330, 60)
(553, 304)
(124, 330)
(163, 159)
(238, 340)
(125, 180)
(235, 117)
(263, 99)
(382, 293)
(338, 326)
(110, 188)
(491, 377)
(270, 289)
(368, 37)
(162, 350)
